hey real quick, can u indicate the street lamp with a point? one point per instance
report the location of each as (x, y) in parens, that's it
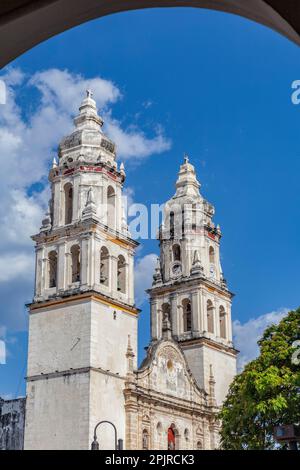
(118, 442)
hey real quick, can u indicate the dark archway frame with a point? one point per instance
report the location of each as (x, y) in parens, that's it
(26, 23)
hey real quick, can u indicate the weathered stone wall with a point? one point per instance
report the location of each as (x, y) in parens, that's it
(12, 419)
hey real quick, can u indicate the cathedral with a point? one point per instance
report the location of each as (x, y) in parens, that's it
(82, 353)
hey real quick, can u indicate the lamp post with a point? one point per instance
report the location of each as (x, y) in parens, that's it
(118, 442)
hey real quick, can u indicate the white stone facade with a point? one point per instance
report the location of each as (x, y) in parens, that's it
(189, 287)
(82, 355)
(83, 309)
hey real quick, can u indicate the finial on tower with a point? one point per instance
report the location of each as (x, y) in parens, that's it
(90, 209)
(186, 158)
(197, 268)
(212, 383)
(54, 163)
(89, 93)
(157, 279)
(130, 357)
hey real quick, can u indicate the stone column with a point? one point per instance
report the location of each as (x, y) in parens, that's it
(174, 315)
(154, 319)
(84, 262)
(91, 264)
(217, 320)
(204, 313)
(77, 189)
(58, 204)
(44, 273)
(195, 313)
(38, 271)
(131, 279)
(113, 277)
(61, 267)
(118, 206)
(68, 267)
(228, 324)
(96, 261)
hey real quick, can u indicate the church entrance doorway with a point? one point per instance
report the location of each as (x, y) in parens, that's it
(172, 438)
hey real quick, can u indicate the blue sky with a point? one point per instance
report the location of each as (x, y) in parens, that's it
(210, 84)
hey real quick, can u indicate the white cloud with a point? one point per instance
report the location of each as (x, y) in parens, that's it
(128, 197)
(63, 89)
(29, 136)
(144, 270)
(133, 144)
(247, 334)
(9, 396)
(15, 265)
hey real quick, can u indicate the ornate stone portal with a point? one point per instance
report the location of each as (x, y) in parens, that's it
(82, 353)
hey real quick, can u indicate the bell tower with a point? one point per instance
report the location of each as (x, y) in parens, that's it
(83, 308)
(189, 288)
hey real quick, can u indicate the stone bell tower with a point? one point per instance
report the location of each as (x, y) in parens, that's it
(189, 288)
(83, 308)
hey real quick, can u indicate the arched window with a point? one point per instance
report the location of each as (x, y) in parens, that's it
(166, 311)
(199, 445)
(187, 315)
(159, 429)
(121, 274)
(104, 266)
(75, 256)
(172, 438)
(145, 439)
(194, 217)
(68, 203)
(182, 222)
(176, 253)
(111, 207)
(210, 317)
(172, 224)
(52, 260)
(211, 255)
(222, 318)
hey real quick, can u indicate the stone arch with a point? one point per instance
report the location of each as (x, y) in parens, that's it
(41, 20)
(166, 310)
(172, 224)
(187, 315)
(145, 439)
(52, 269)
(75, 263)
(199, 445)
(121, 274)
(68, 203)
(159, 428)
(186, 436)
(176, 251)
(104, 266)
(222, 320)
(111, 207)
(212, 255)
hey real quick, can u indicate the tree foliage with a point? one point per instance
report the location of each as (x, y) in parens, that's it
(267, 393)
